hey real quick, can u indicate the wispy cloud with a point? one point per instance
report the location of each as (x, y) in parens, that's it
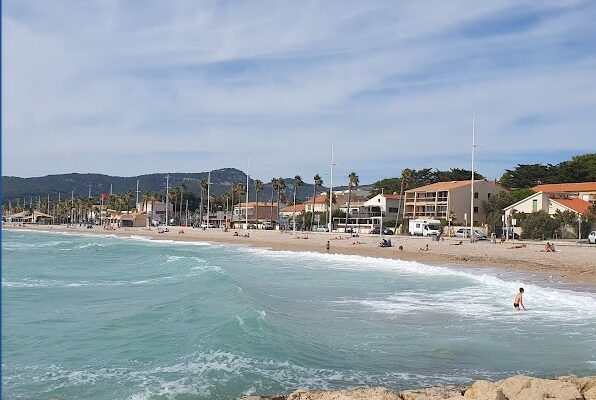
(134, 87)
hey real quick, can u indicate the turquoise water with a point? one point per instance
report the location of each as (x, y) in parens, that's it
(110, 318)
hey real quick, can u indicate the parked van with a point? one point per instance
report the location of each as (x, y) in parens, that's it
(424, 227)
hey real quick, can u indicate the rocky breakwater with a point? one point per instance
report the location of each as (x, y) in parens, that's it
(518, 387)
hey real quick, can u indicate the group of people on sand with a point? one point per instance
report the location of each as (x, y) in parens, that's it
(549, 248)
(246, 235)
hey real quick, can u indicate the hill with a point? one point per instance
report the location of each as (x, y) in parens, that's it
(14, 188)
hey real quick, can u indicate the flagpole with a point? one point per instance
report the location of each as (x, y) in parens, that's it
(472, 185)
(208, 199)
(331, 189)
(167, 197)
(247, 175)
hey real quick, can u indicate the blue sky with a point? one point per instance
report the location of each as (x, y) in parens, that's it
(133, 87)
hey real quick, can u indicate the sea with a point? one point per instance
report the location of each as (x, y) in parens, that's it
(105, 317)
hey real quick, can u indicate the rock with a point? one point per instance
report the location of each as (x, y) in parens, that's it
(590, 394)
(484, 390)
(587, 383)
(355, 394)
(526, 388)
(433, 393)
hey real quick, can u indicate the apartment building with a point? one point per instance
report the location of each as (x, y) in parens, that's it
(449, 200)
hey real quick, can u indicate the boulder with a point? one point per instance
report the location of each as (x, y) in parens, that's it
(587, 383)
(433, 393)
(526, 388)
(590, 394)
(484, 390)
(355, 394)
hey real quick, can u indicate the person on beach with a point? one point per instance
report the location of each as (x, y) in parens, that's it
(328, 246)
(424, 248)
(549, 248)
(519, 300)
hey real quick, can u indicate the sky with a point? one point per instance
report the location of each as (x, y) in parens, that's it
(133, 87)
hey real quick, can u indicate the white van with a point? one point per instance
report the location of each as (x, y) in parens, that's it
(424, 227)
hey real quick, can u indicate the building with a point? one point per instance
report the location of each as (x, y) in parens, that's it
(156, 211)
(321, 204)
(550, 203)
(125, 219)
(387, 204)
(582, 190)
(444, 200)
(257, 212)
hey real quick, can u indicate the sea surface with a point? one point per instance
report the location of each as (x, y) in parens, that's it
(100, 317)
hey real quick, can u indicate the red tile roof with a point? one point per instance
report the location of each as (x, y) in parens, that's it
(566, 187)
(320, 199)
(393, 196)
(443, 186)
(299, 208)
(575, 204)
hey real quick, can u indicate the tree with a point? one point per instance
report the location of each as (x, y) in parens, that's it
(492, 209)
(273, 187)
(258, 188)
(297, 184)
(353, 180)
(281, 186)
(538, 225)
(317, 182)
(203, 186)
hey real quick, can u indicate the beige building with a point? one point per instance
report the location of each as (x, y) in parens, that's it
(125, 219)
(321, 204)
(449, 200)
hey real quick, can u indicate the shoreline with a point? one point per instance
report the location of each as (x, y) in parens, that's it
(513, 388)
(572, 264)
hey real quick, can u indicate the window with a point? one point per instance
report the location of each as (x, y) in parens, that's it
(475, 209)
(534, 205)
(475, 195)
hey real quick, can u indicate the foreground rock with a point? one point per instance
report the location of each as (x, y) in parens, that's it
(518, 387)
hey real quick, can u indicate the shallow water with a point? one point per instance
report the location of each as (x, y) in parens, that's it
(110, 318)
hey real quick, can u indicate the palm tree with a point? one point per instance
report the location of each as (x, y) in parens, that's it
(297, 184)
(281, 185)
(273, 188)
(353, 180)
(318, 182)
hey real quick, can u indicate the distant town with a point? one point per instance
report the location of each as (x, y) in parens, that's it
(530, 201)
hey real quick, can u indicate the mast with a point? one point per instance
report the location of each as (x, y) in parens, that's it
(472, 185)
(208, 198)
(331, 188)
(137, 193)
(256, 206)
(167, 197)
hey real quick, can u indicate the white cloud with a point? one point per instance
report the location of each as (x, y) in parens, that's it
(279, 79)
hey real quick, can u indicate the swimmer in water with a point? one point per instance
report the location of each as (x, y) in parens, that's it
(519, 300)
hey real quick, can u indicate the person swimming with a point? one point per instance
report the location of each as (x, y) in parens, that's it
(519, 300)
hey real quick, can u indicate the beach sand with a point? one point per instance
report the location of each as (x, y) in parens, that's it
(571, 263)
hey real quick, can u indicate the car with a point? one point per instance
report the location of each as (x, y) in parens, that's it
(267, 226)
(592, 237)
(322, 229)
(207, 225)
(499, 232)
(252, 226)
(465, 233)
(376, 231)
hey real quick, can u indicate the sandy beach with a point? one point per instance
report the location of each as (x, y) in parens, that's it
(571, 262)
